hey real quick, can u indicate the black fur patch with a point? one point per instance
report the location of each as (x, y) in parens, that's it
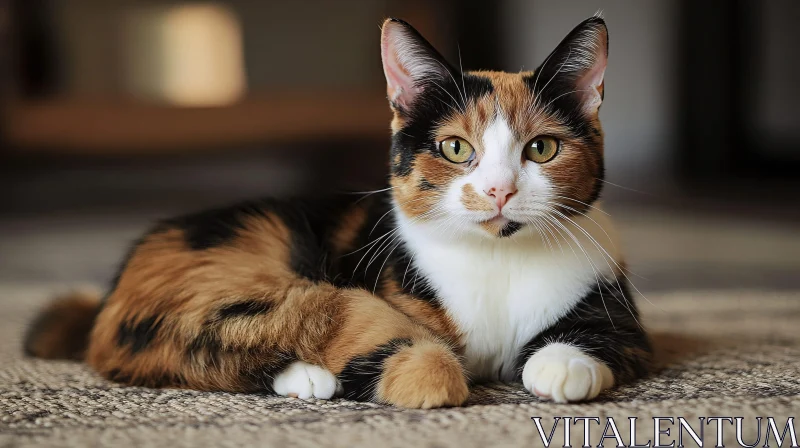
(119, 377)
(309, 224)
(243, 309)
(205, 346)
(424, 185)
(354, 268)
(604, 325)
(161, 380)
(312, 223)
(361, 375)
(212, 228)
(510, 229)
(410, 279)
(138, 335)
(362, 268)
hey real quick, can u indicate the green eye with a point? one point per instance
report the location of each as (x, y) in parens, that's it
(541, 149)
(456, 150)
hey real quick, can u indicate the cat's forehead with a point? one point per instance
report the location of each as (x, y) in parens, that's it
(509, 83)
(511, 96)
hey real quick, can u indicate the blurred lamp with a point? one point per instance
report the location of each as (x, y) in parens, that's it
(186, 55)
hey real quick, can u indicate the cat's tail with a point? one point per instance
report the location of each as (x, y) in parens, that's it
(61, 330)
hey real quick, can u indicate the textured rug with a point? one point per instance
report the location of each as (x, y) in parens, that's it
(719, 354)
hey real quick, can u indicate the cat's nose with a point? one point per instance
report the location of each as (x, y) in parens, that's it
(501, 194)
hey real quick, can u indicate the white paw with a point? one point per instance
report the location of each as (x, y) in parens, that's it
(564, 373)
(304, 381)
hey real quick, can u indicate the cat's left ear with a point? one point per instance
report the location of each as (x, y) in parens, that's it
(410, 64)
(577, 66)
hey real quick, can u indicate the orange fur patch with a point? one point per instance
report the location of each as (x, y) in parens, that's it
(473, 201)
(347, 231)
(425, 375)
(471, 124)
(182, 288)
(412, 199)
(436, 170)
(367, 322)
(574, 171)
(420, 311)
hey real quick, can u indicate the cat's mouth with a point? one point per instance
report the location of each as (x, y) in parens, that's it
(498, 220)
(501, 226)
(495, 224)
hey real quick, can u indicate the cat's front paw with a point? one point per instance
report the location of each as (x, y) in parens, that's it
(304, 381)
(563, 373)
(423, 376)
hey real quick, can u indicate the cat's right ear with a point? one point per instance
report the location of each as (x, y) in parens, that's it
(409, 63)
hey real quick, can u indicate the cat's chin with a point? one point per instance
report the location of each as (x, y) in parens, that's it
(499, 227)
(498, 220)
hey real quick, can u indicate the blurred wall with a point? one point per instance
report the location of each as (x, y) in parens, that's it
(638, 112)
(286, 43)
(777, 92)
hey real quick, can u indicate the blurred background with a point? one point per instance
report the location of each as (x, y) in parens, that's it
(117, 113)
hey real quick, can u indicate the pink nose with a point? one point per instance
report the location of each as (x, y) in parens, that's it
(501, 195)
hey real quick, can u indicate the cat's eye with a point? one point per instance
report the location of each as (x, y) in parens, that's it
(456, 150)
(541, 149)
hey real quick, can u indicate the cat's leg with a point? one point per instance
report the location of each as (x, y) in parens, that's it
(597, 345)
(375, 353)
(318, 340)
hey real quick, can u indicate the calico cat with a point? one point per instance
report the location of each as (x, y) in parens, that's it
(487, 259)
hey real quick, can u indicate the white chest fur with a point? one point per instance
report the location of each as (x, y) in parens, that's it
(503, 292)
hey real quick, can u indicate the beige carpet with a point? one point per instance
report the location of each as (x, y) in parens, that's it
(721, 354)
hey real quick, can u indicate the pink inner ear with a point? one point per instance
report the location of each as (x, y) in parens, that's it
(591, 85)
(399, 82)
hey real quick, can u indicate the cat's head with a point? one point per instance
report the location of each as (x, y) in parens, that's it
(489, 153)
